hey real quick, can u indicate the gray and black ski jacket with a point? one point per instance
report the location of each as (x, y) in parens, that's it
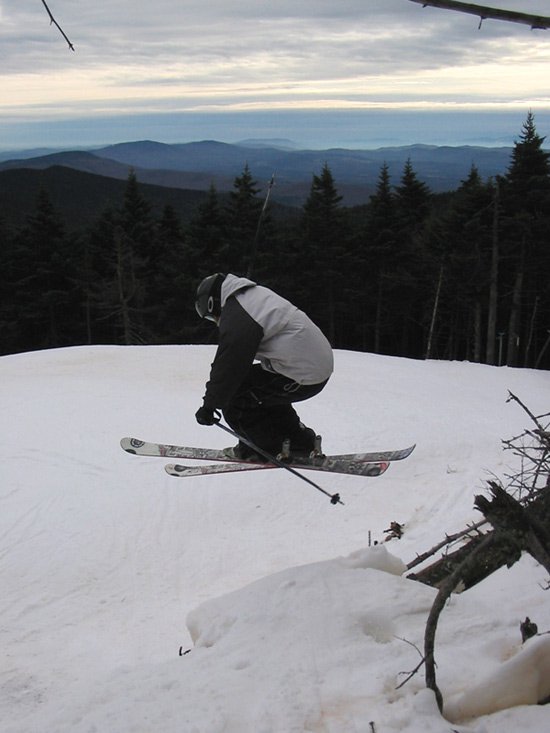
(256, 323)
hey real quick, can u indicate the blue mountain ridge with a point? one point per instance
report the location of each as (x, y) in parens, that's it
(197, 165)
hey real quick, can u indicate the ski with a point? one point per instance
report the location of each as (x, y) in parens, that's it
(164, 450)
(328, 464)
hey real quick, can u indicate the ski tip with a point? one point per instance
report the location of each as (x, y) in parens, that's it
(175, 469)
(130, 445)
(406, 452)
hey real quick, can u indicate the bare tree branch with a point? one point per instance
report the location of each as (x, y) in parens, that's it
(483, 12)
(445, 590)
(54, 22)
(449, 538)
(512, 398)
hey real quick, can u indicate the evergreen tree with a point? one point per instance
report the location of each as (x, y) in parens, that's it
(243, 212)
(42, 293)
(98, 284)
(525, 232)
(136, 220)
(374, 263)
(134, 263)
(121, 260)
(464, 249)
(529, 171)
(412, 199)
(207, 237)
(8, 316)
(322, 259)
(172, 282)
(415, 275)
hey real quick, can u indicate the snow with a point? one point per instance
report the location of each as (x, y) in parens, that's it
(132, 601)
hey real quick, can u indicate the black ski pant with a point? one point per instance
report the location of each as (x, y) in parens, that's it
(261, 411)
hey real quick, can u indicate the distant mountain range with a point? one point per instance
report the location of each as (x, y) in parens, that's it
(81, 197)
(197, 165)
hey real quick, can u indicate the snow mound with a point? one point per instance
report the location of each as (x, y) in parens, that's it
(523, 680)
(313, 648)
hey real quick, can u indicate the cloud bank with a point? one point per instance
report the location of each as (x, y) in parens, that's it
(173, 57)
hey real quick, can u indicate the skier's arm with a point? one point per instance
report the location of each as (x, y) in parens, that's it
(240, 337)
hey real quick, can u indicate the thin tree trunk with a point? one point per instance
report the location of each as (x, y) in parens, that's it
(493, 286)
(123, 298)
(531, 331)
(513, 323)
(541, 352)
(477, 332)
(378, 318)
(434, 314)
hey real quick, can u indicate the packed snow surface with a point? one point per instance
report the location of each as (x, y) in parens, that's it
(132, 601)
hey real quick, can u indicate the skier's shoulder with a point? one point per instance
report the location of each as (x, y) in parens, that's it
(234, 284)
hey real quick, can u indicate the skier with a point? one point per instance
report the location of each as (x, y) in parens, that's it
(295, 363)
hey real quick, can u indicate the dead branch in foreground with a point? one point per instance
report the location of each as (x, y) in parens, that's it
(54, 22)
(518, 525)
(527, 484)
(483, 12)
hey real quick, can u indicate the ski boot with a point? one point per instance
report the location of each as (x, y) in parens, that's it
(288, 454)
(241, 452)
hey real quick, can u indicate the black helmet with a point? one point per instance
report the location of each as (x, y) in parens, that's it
(208, 302)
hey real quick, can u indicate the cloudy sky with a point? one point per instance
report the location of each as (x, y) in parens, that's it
(310, 70)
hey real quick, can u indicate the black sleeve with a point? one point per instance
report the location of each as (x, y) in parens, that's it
(240, 336)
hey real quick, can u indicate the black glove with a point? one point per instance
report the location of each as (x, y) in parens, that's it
(206, 416)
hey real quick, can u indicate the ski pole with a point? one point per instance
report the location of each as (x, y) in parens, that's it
(334, 498)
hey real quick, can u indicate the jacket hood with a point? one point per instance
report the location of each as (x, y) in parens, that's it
(232, 284)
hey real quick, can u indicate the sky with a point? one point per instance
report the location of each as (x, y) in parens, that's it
(316, 72)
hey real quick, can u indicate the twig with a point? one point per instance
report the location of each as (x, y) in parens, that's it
(54, 22)
(512, 397)
(410, 675)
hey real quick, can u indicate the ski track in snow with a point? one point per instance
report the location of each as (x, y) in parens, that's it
(103, 556)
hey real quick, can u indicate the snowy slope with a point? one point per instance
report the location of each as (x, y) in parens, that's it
(108, 566)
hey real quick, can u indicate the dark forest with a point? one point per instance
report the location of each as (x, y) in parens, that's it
(459, 275)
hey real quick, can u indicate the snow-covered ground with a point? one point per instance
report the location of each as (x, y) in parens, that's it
(110, 570)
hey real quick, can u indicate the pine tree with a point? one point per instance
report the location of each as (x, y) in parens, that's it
(97, 280)
(8, 314)
(415, 274)
(412, 198)
(322, 256)
(135, 262)
(172, 283)
(122, 256)
(43, 296)
(375, 260)
(243, 212)
(464, 249)
(529, 171)
(526, 232)
(207, 237)
(136, 220)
